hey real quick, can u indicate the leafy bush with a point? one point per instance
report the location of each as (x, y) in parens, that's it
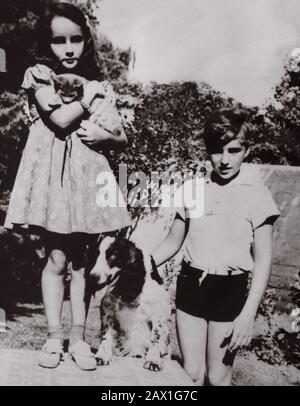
(281, 117)
(278, 345)
(20, 270)
(13, 135)
(168, 124)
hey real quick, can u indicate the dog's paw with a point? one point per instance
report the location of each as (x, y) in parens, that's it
(101, 362)
(154, 360)
(104, 353)
(137, 353)
(152, 366)
(103, 356)
(136, 356)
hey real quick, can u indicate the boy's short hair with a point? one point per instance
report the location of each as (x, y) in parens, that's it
(223, 126)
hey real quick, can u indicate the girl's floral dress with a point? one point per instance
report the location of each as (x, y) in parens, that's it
(62, 184)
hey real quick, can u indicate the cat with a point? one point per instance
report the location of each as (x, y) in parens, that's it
(70, 87)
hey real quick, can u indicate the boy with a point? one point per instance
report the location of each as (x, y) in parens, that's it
(233, 237)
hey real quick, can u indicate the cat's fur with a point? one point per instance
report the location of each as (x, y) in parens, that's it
(69, 88)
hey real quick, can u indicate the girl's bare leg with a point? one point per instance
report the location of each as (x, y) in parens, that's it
(219, 374)
(77, 292)
(53, 287)
(192, 334)
(78, 348)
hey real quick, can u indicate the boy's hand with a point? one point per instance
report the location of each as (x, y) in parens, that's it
(241, 331)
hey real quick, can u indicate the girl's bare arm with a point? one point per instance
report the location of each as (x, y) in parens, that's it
(94, 135)
(104, 128)
(65, 115)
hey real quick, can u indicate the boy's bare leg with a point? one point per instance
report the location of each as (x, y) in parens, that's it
(192, 334)
(219, 374)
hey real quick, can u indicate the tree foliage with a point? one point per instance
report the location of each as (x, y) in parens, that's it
(277, 124)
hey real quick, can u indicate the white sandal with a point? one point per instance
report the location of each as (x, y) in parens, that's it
(82, 356)
(52, 353)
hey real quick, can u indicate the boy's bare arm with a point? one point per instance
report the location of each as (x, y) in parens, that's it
(172, 244)
(262, 267)
(242, 327)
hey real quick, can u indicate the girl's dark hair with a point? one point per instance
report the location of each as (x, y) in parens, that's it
(88, 63)
(223, 126)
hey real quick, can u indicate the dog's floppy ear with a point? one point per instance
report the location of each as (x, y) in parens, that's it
(132, 276)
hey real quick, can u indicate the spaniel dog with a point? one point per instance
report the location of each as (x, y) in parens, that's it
(135, 309)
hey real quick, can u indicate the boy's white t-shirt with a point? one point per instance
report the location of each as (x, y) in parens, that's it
(222, 220)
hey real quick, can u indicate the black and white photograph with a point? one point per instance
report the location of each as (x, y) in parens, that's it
(149, 195)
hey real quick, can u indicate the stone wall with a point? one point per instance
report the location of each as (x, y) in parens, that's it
(284, 183)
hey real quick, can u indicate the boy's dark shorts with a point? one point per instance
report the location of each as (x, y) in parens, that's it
(218, 298)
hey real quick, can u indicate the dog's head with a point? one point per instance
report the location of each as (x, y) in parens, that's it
(120, 264)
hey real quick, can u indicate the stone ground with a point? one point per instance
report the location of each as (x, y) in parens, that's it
(20, 368)
(26, 333)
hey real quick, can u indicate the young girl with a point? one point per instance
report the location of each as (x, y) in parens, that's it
(55, 189)
(231, 239)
